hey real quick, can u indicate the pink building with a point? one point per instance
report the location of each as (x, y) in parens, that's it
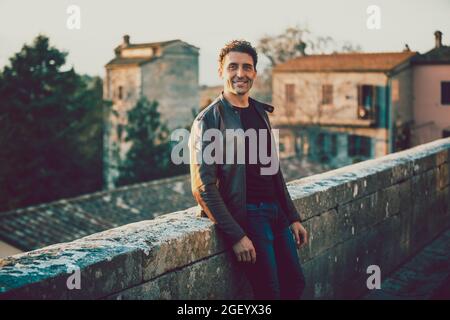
(431, 93)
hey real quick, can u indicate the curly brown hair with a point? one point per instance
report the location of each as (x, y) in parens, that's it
(238, 46)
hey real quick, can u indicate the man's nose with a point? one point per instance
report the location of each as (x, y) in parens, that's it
(240, 72)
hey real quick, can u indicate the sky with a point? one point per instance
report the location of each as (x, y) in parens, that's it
(209, 24)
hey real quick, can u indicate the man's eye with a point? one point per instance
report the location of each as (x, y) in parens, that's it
(232, 67)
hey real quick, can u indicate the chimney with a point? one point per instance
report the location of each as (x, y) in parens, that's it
(126, 40)
(438, 39)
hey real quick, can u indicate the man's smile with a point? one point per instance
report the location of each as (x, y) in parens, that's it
(240, 82)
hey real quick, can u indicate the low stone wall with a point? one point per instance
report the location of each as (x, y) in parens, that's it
(376, 212)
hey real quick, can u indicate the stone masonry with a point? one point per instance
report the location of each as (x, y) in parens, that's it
(377, 212)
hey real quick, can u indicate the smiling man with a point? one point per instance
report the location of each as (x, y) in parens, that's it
(252, 209)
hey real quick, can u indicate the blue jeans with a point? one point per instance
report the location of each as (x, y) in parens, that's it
(277, 273)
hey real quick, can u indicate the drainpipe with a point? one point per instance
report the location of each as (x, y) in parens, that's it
(390, 115)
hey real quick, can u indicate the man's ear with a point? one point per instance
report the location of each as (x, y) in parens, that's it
(220, 70)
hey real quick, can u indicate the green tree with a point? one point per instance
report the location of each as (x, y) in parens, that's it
(46, 111)
(149, 155)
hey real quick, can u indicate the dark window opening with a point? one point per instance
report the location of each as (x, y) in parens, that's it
(358, 146)
(327, 94)
(333, 145)
(445, 92)
(445, 133)
(326, 144)
(290, 93)
(366, 102)
(120, 95)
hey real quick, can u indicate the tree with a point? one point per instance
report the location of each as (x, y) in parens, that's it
(299, 41)
(149, 155)
(45, 111)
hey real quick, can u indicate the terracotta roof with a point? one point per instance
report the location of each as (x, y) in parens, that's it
(381, 62)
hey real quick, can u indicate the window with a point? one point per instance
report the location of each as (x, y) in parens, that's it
(321, 147)
(290, 93)
(446, 133)
(358, 146)
(327, 94)
(326, 145)
(333, 142)
(445, 92)
(366, 102)
(120, 94)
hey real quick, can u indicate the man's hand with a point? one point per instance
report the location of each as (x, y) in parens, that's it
(300, 234)
(244, 250)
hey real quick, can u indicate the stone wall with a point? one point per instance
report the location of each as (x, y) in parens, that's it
(376, 212)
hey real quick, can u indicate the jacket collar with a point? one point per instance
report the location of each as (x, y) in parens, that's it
(260, 107)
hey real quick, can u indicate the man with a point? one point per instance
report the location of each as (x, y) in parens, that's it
(253, 210)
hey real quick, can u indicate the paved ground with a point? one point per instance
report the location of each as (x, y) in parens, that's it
(426, 276)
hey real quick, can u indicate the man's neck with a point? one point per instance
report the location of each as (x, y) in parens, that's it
(240, 101)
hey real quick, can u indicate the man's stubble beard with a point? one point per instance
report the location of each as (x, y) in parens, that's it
(238, 91)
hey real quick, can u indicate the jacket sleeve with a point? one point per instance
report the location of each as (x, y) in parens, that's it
(204, 185)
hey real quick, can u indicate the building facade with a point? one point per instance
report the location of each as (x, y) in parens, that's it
(344, 108)
(167, 72)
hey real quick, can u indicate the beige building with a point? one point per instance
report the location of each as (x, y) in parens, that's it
(7, 250)
(342, 108)
(167, 72)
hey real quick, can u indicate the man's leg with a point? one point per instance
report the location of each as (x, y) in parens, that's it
(291, 277)
(263, 275)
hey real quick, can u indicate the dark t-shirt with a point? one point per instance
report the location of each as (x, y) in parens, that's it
(259, 187)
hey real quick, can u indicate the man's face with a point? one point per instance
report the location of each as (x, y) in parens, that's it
(238, 72)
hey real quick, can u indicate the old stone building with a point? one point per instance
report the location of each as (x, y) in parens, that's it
(167, 72)
(342, 108)
(327, 104)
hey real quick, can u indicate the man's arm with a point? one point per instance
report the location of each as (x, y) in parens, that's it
(204, 188)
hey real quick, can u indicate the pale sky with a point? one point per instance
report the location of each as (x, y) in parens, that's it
(208, 24)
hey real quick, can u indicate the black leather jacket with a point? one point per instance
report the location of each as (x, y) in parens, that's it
(220, 189)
